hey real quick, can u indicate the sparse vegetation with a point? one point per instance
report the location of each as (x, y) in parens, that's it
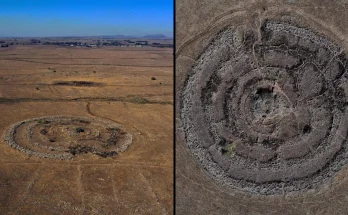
(230, 147)
(79, 130)
(42, 121)
(77, 83)
(106, 154)
(78, 149)
(139, 100)
(114, 129)
(227, 147)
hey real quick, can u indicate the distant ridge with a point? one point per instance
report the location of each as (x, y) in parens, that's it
(150, 36)
(117, 36)
(121, 36)
(156, 36)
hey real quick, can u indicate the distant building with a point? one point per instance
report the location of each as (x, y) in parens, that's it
(5, 45)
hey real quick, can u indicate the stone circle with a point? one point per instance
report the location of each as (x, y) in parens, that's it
(64, 137)
(266, 112)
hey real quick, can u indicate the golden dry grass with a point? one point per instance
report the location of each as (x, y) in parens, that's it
(139, 181)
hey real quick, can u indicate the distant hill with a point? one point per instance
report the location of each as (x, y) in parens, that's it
(150, 36)
(156, 36)
(117, 36)
(121, 36)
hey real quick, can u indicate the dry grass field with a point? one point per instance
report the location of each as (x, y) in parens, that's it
(105, 84)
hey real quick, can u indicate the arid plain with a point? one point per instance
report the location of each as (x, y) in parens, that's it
(132, 87)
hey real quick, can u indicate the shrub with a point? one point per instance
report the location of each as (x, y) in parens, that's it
(79, 130)
(41, 121)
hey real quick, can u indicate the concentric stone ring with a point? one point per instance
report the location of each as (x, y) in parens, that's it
(266, 112)
(63, 137)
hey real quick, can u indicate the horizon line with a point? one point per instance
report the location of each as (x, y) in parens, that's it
(123, 36)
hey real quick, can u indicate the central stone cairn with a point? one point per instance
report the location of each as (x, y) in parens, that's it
(63, 137)
(268, 115)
